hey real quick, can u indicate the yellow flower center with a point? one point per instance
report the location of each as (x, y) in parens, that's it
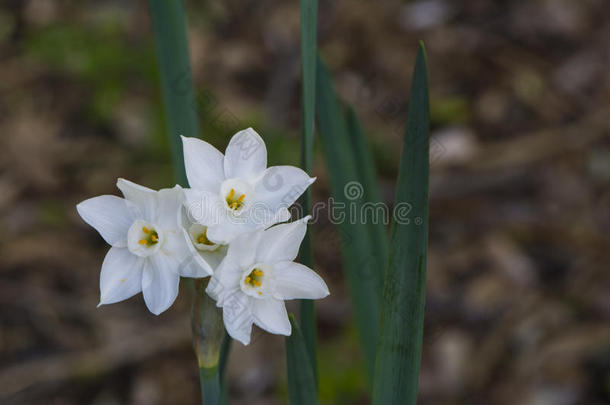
(152, 237)
(234, 201)
(203, 238)
(254, 278)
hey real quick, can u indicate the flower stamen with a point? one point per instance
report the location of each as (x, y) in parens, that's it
(203, 238)
(151, 239)
(254, 278)
(235, 203)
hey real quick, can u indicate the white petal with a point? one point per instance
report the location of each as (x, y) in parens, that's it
(203, 164)
(199, 265)
(204, 208)
(237, 317)
(293, 280)
(178, 255)
(243, 249)
(246, 155)
(240, 256)
(214, 290)
(159, 284)
(260, 216)
(121, 276)
(270, 315)
(226, 232)
(223, 227)
(110, 216)
(214, 258)
(282, 215)
(196, 267)
(168, 259)
(142, 197)
(169, 204)
(281, 242)
(280, 186)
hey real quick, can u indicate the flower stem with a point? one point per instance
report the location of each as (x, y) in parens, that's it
(208, 332)
(222, 369)
(210, 385)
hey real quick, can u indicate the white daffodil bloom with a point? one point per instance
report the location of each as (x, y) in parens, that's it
(205, 252)
(258, 274)
(235, 193)
(149, 249)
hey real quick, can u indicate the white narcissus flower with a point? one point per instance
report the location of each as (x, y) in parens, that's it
(235, 193)
(149, 249)
(258, 274)
(205, 252)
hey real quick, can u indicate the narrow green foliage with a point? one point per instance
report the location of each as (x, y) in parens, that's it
(368, 179)
(402, 318)
(169, 27)
(363, 266)
(309, 17)
(302, 389)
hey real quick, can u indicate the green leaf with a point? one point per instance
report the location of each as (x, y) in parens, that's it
(368, 178)
(363, 270)
(302, 388)
(402, 318)
(169, 27)
(309, 16)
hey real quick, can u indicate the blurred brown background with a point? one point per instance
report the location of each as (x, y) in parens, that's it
(518, 303)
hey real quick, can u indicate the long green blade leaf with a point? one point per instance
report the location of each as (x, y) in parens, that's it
(309, 17)
(402, 319)
(301, 381)
(363, 273)
(368, 178)
(169, 27)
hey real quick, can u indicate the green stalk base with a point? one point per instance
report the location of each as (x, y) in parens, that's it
(210, 385)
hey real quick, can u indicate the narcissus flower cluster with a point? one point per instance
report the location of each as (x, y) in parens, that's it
(230, 225)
